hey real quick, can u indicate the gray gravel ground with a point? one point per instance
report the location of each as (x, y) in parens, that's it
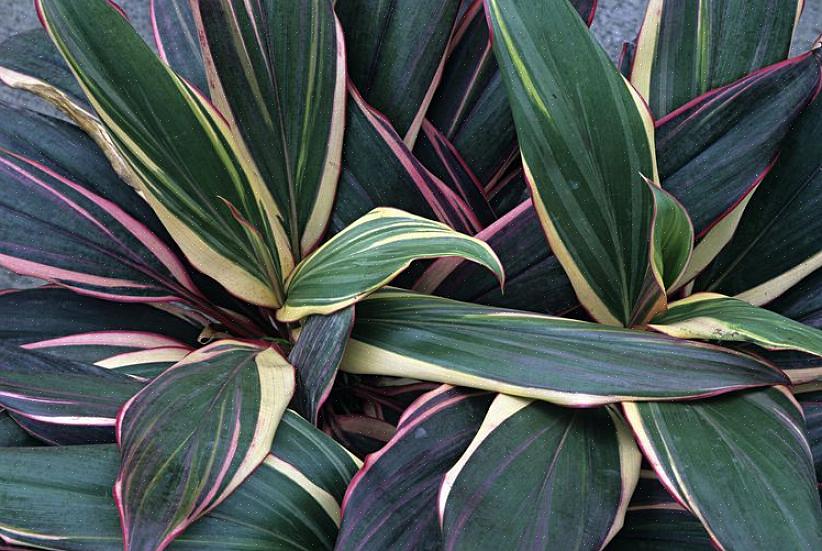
(617, 21)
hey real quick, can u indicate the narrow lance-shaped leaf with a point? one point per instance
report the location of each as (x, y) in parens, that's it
(585, 169)
(392, 501)
(396, 53)
(277, 71)
(60, 400)
(283, 504)
(673, 237)
(191, 437)
(213, 203)
(537, 476)
(709, 316)
(175, 36)
(379, 170)
(470, 107)
(71, 232)
(563, 361)
(368, 254)
(719, 456)
(687, 47)
(316, 357)
(781, 223)
(716, 150)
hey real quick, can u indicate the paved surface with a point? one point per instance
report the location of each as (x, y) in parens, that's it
(617, 21)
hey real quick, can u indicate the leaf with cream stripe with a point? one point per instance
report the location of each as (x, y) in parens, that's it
(194, 434)
(368, 254)
(189, 167)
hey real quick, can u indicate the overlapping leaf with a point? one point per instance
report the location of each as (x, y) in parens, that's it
(197, 179)
(523, 354)
(391, 502)
(534, 278)
(274, 508)
(396, 54)
(191, 437)
(368, 254)
(62, 401)
(68, 219)
(715, 151)
(706, 452)
(277, 71)
(379, 170)
(585, 169)
(686, 48)
(537, 476)
(781, 223)
(175, 36)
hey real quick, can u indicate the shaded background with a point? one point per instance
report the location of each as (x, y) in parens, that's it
(616, 21)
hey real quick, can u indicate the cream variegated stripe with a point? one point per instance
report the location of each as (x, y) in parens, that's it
(630, 464)
(227, 256)
(502, 408)
(771, 289)
(368, 254)
(711, 316)
(321, 496)
(277, 382)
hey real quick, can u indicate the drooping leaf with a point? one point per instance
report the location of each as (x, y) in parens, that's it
(62, 401)
(719, 456)
(563, 361)
(71, 231)
(534, 278)
(214, 204)
(396, 51)
(273, 509)
(278, 72)
(175, 36)
(29, 57)
(538, 476)
(391, 502)
(687, 47)
(191, 437)
(780, 224)
(715, 150)
(31, 62)
(585, 168)
(368, 254)
(379, 170)
(709, 316)
(316, 357)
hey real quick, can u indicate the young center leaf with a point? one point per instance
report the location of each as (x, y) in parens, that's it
(567, 362)
(194, 434)
(277, 71)
(719, 457)
(368, 254)
(537, 476)
(587, 144)
(196, 177)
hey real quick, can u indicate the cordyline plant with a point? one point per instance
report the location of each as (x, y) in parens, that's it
(612, 339)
